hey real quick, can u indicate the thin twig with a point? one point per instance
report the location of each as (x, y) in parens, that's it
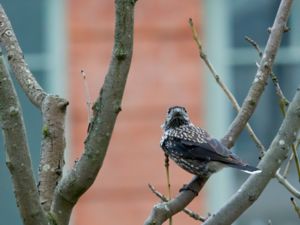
(296, 160)
(185, 210)
(288, 166)
(296, 207)
(283, 102)
(168, 182)
(287, 185)
(168, 175)
(87, 96)
(225, 89)
(255, 45)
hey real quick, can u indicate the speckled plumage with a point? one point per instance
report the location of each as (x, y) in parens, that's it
(193, 149)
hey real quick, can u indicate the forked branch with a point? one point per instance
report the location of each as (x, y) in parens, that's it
(105, 110)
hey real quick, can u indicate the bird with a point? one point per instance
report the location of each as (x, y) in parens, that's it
(194, 149)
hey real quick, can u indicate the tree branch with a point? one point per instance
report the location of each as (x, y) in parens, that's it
(17, 154)
(255, 184)
(261, 76)
(16, 59)
(162, 211)
(295, 206)
(53, 145)
(245, 113)
(53, 110)
(281, 179)
(283, 104)
(105, 109)
(185, 210)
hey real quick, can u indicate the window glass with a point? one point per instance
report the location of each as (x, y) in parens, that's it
(27, 18)
(253, 18)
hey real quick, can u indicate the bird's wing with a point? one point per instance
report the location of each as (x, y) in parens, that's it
(212, 150)
(195, 143)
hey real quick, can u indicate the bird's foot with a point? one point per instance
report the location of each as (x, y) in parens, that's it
(188, 188)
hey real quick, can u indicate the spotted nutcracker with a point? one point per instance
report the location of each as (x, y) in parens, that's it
(193, 149)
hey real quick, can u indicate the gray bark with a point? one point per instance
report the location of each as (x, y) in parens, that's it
(52, 150)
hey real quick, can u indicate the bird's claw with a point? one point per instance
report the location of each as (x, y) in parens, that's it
(188, 188)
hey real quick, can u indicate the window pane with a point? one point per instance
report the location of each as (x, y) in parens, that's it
(28, 19)
(253, 18)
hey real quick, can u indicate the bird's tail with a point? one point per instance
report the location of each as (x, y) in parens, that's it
(246, 168)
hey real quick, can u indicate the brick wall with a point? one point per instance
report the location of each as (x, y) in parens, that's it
(165, 71)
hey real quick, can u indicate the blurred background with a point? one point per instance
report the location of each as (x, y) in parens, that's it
(60, 38)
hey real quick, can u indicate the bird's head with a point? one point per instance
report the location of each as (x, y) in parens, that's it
(176, 117)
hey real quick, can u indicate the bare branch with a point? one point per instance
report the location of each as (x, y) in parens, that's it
(185, 210)
(105, 109)
(162, 211)
(283, 100)
(16, 59)
(255, 184)
(53, 145)
(287, 185)
(296, 207)
(87, 96)
(255, 45)
(287, 166)
(17, 153)
(168, 183)
(261, 76)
